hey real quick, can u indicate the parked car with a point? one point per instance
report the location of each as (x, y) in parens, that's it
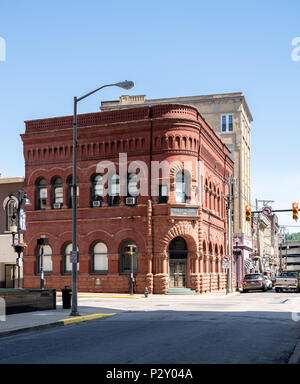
(254, 281)
(287, 280)
(268, 282)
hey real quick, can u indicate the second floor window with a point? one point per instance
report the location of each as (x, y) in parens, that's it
(58, 193)
(163, 194)
(97, 188)
(42, 194)
(70, 192)
(132, 184)
(182, 187)
(114, 190)
(227, 123)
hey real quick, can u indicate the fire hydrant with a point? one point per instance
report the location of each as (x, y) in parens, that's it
(146, 292)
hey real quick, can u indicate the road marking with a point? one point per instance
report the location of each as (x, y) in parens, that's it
(284, 301)
(79, 319)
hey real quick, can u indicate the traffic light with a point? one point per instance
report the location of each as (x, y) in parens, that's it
(248, 212)
(130, 249)
(295, 211)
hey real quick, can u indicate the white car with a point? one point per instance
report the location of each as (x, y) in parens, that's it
(268, 282)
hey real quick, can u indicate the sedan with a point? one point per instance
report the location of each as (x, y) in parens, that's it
(254, 281)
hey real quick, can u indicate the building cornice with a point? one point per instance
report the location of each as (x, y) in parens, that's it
(11, 180)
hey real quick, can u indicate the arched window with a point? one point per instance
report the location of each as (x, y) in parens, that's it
(47, 259)
(9, 213)
(99, 258)
(67, 267)
(70, 192)
(41, 194)
(182, 187)
(178, 248)
(97, 189)
(114, 190)
(129, 261)
(206, 194)
(132, 184)
(214, 199)
(58, 193)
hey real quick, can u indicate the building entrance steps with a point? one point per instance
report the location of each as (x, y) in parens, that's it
(180, 291)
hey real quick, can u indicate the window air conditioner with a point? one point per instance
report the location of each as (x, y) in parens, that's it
(97, 204)
(130, 200)
(57, 205)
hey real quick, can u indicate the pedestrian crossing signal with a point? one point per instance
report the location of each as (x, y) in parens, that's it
(248, 213)
(130, 249)
(295, 211)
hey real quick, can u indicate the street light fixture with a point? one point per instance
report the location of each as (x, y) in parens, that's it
(18, 226)
(75, 254)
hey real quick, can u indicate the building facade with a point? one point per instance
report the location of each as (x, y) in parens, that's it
(9, 187)
(290, 255)
(229, 116)
(177, 220)
(266, 243)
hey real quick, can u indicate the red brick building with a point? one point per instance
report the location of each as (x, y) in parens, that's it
(180, 234)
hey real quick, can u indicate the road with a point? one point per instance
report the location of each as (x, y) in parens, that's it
(247, 328)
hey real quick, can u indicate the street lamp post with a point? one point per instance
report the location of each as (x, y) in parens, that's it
(230, 181)
(19, 248)
(42, 242)
(75, 254)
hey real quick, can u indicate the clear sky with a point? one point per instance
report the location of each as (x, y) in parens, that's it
(59, 49)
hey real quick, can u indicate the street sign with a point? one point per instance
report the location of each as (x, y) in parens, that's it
(225, 265)
(74, 256)
(226, 259)
(267, 211)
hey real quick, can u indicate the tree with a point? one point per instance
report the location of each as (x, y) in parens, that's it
(293, 236)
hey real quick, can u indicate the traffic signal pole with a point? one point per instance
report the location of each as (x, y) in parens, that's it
(229, 235)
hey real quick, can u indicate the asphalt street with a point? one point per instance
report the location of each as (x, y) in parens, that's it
(247, 328)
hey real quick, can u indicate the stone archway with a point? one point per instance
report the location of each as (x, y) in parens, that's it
(161, 268)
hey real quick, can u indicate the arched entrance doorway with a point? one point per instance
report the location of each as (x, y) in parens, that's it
(178, 252)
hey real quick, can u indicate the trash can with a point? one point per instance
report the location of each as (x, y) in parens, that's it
(66, 297)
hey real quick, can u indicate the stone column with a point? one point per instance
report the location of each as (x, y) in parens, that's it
(161, 277)
(194, 273)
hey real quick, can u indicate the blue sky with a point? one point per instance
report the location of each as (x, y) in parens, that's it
(59, 49)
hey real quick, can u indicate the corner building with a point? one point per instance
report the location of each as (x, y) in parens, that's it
(180, 236)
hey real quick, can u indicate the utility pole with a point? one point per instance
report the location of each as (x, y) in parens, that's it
(280, 258)
(257, 235)
(230, 181)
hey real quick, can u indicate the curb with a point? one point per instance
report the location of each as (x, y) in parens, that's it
(59, 323)
(80, 319)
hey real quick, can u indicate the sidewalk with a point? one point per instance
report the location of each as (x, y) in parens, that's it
(92, 306)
